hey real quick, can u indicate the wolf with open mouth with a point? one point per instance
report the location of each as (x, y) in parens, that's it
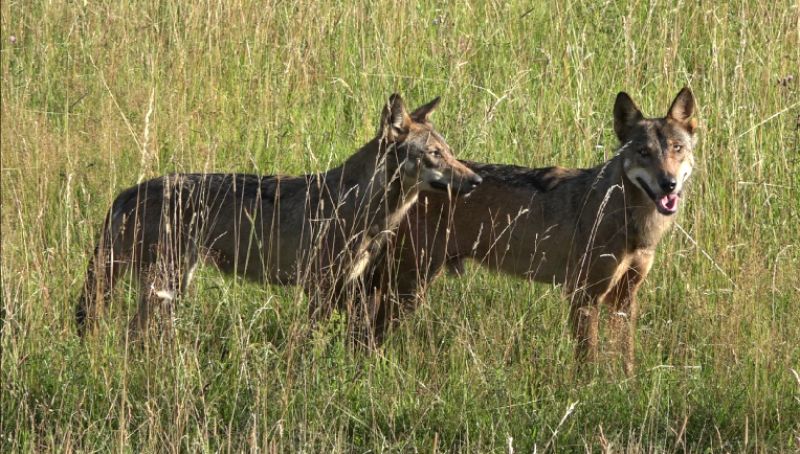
(593, 231)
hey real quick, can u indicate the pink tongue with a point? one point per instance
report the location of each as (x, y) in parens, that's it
(669, 202)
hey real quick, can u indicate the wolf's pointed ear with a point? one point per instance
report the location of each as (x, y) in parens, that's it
(394, 119)
(626, 115)
(422, 113)
(682, 109)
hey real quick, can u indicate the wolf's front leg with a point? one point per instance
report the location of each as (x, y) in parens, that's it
(584, 317)
(621, 301)
(621, 328)
(384, 312)
(622, 323)
(322, 300)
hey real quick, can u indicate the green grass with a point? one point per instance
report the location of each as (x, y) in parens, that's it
(96, 95)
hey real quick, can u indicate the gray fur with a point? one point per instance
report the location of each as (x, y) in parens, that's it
(316, 230)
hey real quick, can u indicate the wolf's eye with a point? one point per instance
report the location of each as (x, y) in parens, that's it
(644, 152)
(435, 153)
(677, 147)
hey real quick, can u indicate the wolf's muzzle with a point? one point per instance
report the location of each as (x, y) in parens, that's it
(459, 186)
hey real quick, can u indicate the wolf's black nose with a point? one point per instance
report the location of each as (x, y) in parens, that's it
(668, 184)
(476, 180)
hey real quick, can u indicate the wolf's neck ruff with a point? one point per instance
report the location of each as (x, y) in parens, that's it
(385, 194)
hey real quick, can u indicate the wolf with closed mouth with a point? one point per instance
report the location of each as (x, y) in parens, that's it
(320, 230)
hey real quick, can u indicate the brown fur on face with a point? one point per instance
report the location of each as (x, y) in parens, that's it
(593, 231)
(428, 158)
(320, 231)
(657, 152)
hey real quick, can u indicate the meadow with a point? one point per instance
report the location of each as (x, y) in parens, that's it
(97, 96)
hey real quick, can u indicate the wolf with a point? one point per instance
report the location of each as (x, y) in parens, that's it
(320, 231)
(593, 231)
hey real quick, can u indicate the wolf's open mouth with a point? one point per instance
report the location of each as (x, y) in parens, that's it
(667, 204)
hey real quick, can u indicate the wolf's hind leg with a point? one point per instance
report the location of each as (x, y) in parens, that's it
(159, 288)
(161, 284)
(102, 274)
(138, 326)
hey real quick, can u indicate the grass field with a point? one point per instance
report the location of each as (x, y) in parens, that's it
(98, 95)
